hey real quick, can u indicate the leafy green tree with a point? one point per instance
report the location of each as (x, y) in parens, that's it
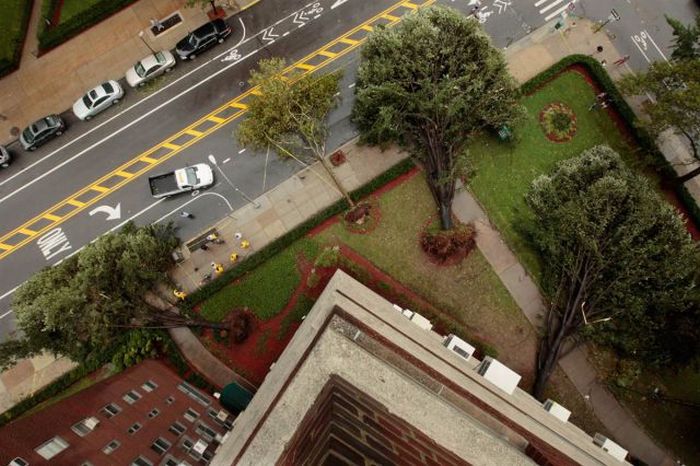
(193, 3)
(675, 87)
(80, 306)
(291, 109)
(429, 84)
(618, 262)
(686, 42)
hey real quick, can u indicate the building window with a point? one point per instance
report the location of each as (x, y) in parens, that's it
(86, 463)
(110, 447)
(177, 428)
(141, 461)
(206, 432)
(191, 414)
(187, 444)
(149, 386)
(195, 394)
(131, 397)
(160, 445)
(111, 410)
(85, 426)
(154, 412)
(169, 400)
(18, 462)
(135, 427)
(170, 460)
(53, 447)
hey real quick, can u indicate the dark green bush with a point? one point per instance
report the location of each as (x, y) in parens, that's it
(60, 33)
(8, 65)
(653, 158)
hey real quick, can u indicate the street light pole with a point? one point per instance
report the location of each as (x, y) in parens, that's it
(145, 43)
(212, 159)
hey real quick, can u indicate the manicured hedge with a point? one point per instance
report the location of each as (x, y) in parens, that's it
(654, 158)
(8, 65)
(60, 33)
(284, 241)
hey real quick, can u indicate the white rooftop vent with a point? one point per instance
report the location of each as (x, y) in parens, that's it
(459, 346)
(557, 410)
(615, 450)
(417, 319)
(200, 446)
(397, 308)
(91, 422)
(498, 374)
(222, 415)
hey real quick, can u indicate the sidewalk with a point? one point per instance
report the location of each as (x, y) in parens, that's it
(52, 82)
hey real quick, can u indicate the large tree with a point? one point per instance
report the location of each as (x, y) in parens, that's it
(686, 39)
(675, 88)
(289, 112)
(81, 305)
(429, 84)
(618, 262)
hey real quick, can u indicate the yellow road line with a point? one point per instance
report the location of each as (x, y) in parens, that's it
(129, 170)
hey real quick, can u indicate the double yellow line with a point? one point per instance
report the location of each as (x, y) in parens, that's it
(107, 184)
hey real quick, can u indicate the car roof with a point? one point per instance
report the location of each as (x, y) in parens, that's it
(149, 61)
(39, 125)
(204, 29)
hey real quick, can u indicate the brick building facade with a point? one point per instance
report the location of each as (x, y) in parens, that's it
(143, 416)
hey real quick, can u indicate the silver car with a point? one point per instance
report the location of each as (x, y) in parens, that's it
(100, 98)
(4, 157)
(150, 67)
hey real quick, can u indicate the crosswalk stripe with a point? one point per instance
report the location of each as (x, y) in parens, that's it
(550, 6)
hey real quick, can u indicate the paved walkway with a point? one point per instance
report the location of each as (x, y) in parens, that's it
(50, 83)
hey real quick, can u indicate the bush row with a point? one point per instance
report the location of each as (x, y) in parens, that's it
(653, 156)
(8, 65)
(60, 33)
(299, 231)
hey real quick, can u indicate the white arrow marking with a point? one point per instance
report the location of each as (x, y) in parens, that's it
(338, 3)
(502, 5)
(269, 35)
(113, 213)
(300, 19)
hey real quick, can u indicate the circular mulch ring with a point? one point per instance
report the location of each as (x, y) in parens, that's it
(368, 222)
(459, 254)
(558, 122)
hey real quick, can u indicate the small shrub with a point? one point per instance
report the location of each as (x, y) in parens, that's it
(358, 214)
(140, 344)
(240, 322)
(329, 257)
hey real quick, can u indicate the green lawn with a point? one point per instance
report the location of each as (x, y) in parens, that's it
(503, 172)
(13, 23)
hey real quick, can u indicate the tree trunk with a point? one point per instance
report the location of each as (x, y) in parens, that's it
(340, 187)
(688, 176)
(695, 172)
(445, 209)
(547, 358)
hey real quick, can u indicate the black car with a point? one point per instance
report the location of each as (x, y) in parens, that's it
(41, 131)
(202, 38)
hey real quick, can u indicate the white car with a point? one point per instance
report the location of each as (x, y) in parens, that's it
(100, 98)
(150, 67)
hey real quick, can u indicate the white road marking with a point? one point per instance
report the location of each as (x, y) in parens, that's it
(226, 160)
(557, 12)
(350, 86)
(655, 46)
(145, 99)
(285, 34)
(540, 2)
(640, 49)
(242, 150)
(338, 3)
(113, 213)
(550, 6)
(55, 238)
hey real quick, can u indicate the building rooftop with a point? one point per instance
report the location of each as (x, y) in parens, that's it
(360, 382)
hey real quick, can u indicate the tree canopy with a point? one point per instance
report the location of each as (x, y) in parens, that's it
(290, 112)
(79, 307)
(686, 39)
(428, 84)
(618, 260)
(675, 87)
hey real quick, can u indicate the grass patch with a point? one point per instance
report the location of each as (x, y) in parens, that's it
(295, 315)
(261, 344)
(266, 289)
(13, 24)
(504, 172)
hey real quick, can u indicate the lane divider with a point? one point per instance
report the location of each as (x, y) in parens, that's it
(200, 129)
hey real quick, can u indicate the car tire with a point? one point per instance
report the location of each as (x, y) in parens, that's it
(87, 118)
(59, 132)
(5, 165)
(31, 149)
(193, 56)
(168, 70)
(115, 101)
(142, 83)
(221, 40)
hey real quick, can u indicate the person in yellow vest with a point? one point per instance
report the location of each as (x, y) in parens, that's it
(245, 244)
(179, 294)
(218, 268)
(233, 256)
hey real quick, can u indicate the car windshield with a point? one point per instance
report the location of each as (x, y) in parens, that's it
(140, 70)
(87, 101)
(160, 57)
(192, 179)
(108, 88)
(192, 40)
(28, 134)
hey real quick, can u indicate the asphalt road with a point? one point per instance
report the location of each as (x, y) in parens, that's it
(36, 182)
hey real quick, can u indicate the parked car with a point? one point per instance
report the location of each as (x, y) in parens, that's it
(41, 131)
(100, 98)
(150, 67)
(202, 38)
(4, 157)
